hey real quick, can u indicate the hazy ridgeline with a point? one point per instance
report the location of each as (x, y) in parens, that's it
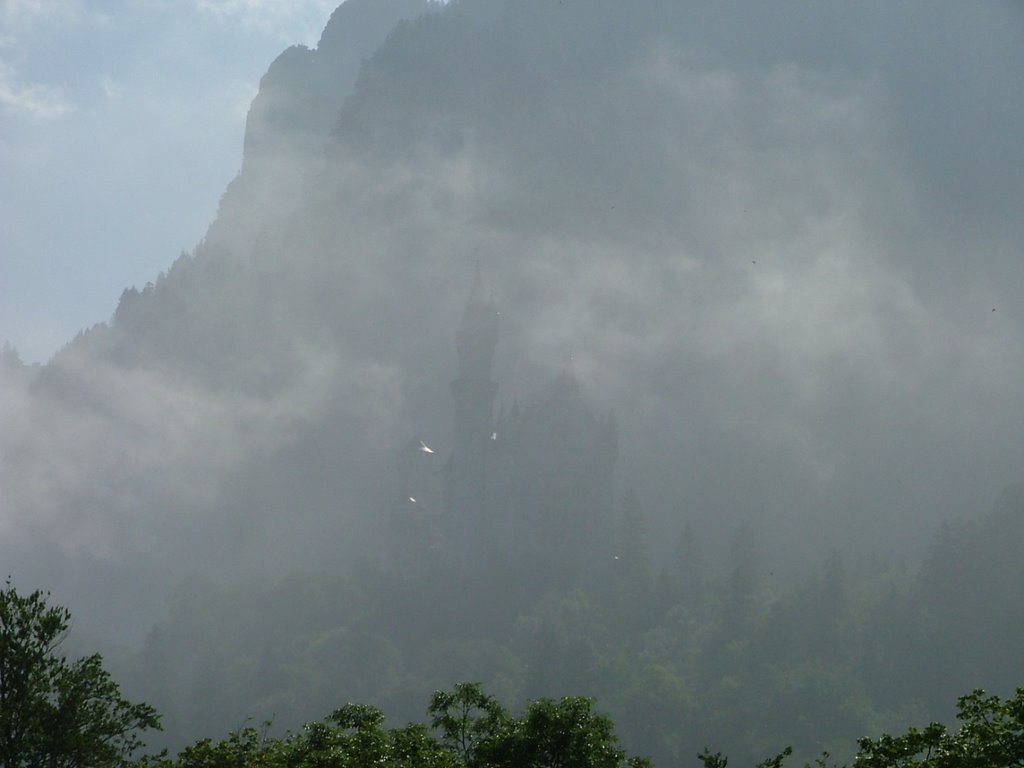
(773, 239)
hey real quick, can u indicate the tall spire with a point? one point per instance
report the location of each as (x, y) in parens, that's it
(473, 392)
(478, 333)
(476, 290)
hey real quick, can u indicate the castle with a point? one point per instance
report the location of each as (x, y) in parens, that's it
(529, 489)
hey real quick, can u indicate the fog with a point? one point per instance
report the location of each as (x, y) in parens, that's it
(782, 244)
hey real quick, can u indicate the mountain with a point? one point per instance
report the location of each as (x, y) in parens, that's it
(747, 224)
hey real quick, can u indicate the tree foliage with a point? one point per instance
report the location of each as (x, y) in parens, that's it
(55, 712)
(558, 734)
(991, 735)
(465, 718)
(469, 729)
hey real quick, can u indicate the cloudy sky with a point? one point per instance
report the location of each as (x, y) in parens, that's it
(121, 124)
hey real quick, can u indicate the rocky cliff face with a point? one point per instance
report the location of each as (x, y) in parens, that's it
(298, 104)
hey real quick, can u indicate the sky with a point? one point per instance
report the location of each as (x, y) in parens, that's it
(121, 124)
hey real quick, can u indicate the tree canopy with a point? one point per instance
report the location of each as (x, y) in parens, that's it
(991, 735)
(55, 712)
(469, 729)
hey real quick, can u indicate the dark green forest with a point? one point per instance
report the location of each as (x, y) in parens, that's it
(682, 655)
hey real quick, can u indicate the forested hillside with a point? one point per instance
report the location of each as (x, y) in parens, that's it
(680, 658)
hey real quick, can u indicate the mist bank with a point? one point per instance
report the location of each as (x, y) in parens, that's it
(782, 246)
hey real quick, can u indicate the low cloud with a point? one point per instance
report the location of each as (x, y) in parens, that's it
(33, 101)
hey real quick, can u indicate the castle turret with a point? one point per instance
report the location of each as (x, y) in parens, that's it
(478, 333)
(473, 393)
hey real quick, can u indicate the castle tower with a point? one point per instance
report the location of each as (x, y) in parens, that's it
(469, 526)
